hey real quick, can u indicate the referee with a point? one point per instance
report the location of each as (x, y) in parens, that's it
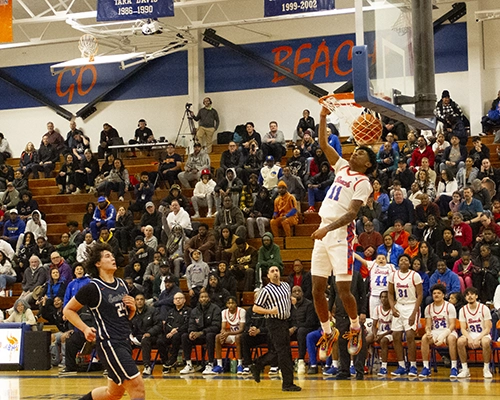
(274, 302)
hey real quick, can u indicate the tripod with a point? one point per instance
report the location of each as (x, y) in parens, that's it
(181, 136)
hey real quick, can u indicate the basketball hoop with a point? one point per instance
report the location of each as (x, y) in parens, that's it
(88, 46)
(403, 24)
(365, 127)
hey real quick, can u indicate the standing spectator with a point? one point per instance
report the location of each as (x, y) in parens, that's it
(203, 194)
(273, 142)
(28, 162)
(208, 123)
(197, 276)
(485, 273)
(170, 166)
(423, 150)
(197, 162)
(104, 216)
(55, 139)
(108, 133)
(65, 179)
(86, 174)
(143, 192)
(305, 123)
(285, 211)
(47, 157)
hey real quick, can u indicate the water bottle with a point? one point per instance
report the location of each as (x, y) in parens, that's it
(10, 293)
(234, 365)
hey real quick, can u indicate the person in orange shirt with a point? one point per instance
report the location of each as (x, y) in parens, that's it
(399, 235)
(413, 244)
(285, 211)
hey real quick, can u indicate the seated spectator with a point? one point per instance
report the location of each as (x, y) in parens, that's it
(301, 278)
(232, 217)
(56, 287)
(74, 233)
(204, 324)
(179, 216)
(479, 152)
(371, 212)
(83, 249)
(305, 123)
(390, 250)
(248, 136)
(488, 171)
(149, 239)
(464, 268)
(433, 231)
(318, 185)
(53, 313)
(218, 295)
(297, 164)
(369, 236)
(254, 161)
(151, 217)
(28, 163)
(399, 235)
(487, 221)
(196, 162)
(141, 253)
(230, 186)
(43, 250)
(118, 180)
(446, 277)
(5, 151)
(482, 194)
(164, 288)
(415, 194)
(381, 197)
(65, 179)
(448, 249)
(249, 194)
(461, 231)
(87, 173)
(294, 185)
(196, 276)
(445, 108)
(88, 216)
(143, 192)
(66, 249)
(10, 198)
(104, 216)
(412, 249)
(135, 271)
(492, 118)
(65, 271)
(409, 146)
(226, 278)
(485, 273)
(230, 158)
(26, 206)
(489, 185)
(47, 157)
(317, 160)
(422, 212)
(203, 194)
(123, 228)
(388, 158)
(170, 166)
(467, 174)
(260, 214)
(106, 236)
(454, 156)
(401, 209)
(7, 274)
(226, 245)
(108, 134)
(6, 175)
(36, 225)
(79, 145)
(175, 193)
(20, 183)
(107, 166)
(426, 184)
(269, 255)
(242, 265)
(423, 150)
(25, 251)
(285, 211)
(22, 313)
(151, 273)
(470, 208)
(454, 204)
(446, 187)
(273, 142)
(403, 174)
(439, 146)
(396, 185)
(269, 176)
(454, 126)
(203, 241)
(428, 258)
(34, 276)
(13, 228)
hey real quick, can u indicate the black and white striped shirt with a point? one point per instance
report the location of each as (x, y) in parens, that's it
(272, 296)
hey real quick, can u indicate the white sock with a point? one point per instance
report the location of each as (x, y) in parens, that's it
(326, 327)
(384, 365)
(464, 366)
(219, 362)
(413, 364)
(189, 363)
(335, 363)
(426, 364)
(240, 361)
(454, 364)
(352, 363)
(355, 324)
(402, 364)
(487, 366)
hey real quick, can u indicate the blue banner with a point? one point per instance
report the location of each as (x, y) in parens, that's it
(116, 10)
(284, 7)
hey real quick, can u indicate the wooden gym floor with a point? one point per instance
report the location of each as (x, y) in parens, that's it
(43, 385)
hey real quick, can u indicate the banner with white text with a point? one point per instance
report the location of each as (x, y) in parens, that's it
(116, 10)
(273, 8)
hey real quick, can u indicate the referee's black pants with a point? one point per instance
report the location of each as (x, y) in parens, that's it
(343, 324)
(279, 350)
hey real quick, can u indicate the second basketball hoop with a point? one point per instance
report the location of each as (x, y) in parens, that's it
(88, 46)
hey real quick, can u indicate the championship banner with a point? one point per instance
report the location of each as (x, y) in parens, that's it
(273, 8)
(6, 21)
(116, 10)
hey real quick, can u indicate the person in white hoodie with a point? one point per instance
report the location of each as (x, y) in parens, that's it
(270, 174)
(7, 274)
(179, 216)
(36, 225)
(203, 194)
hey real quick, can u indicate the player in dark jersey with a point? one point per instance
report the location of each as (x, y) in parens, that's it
(108, 299)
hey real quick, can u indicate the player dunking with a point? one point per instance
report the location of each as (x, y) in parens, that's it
(333, 240)
(112, 307)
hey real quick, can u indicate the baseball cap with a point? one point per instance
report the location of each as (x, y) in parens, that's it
(139, 237)
(14, 211)
(101, 199)
(205, 172)
(150, 204)
(269, 158)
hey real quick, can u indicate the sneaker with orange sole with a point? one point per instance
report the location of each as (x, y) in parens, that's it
(354, 341)
(326, 342)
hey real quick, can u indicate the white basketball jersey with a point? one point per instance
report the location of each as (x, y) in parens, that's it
(441, 315)
(405, 286)
(348, 185)
(475, 319)
(384, 319)
(379, 277)
(233, 321)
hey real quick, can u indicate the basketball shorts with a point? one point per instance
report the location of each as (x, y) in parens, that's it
(402, 323)
(333, 254)
(436, 333)
(117, 356)
(474, 335)
(231, 339)
(374, 303)
(388, 337)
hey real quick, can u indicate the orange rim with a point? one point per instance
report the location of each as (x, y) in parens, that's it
(341, 97)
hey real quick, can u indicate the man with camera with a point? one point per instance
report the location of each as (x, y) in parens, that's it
(208, 123)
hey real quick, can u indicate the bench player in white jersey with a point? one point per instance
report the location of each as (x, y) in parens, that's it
(382, 329)
(405, 297)
(475, 325)
(379, 270)
(440, 318)
(233, 325)
(333, 247)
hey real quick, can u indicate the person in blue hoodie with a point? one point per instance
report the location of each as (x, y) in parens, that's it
(78, 282)
(445, 277)
(104, 216)
(391, 250)
(14, 227)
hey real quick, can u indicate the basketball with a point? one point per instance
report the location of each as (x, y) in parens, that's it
(366, 129)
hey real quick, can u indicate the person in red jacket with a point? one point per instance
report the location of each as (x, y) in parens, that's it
(423, 150)
(462, 231)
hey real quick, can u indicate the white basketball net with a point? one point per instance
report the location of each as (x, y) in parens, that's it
(88, 46)
(403, 24)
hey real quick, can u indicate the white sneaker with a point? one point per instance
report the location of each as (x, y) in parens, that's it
(146, 371)
(208, 370)
(77, 191)
(487, 373)
(274, 371)
(301, 367)
(188, 369)
(210, 215)
(92, 190)
(121, 198)
(464, 373)
(196, 216)
(2, 293)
